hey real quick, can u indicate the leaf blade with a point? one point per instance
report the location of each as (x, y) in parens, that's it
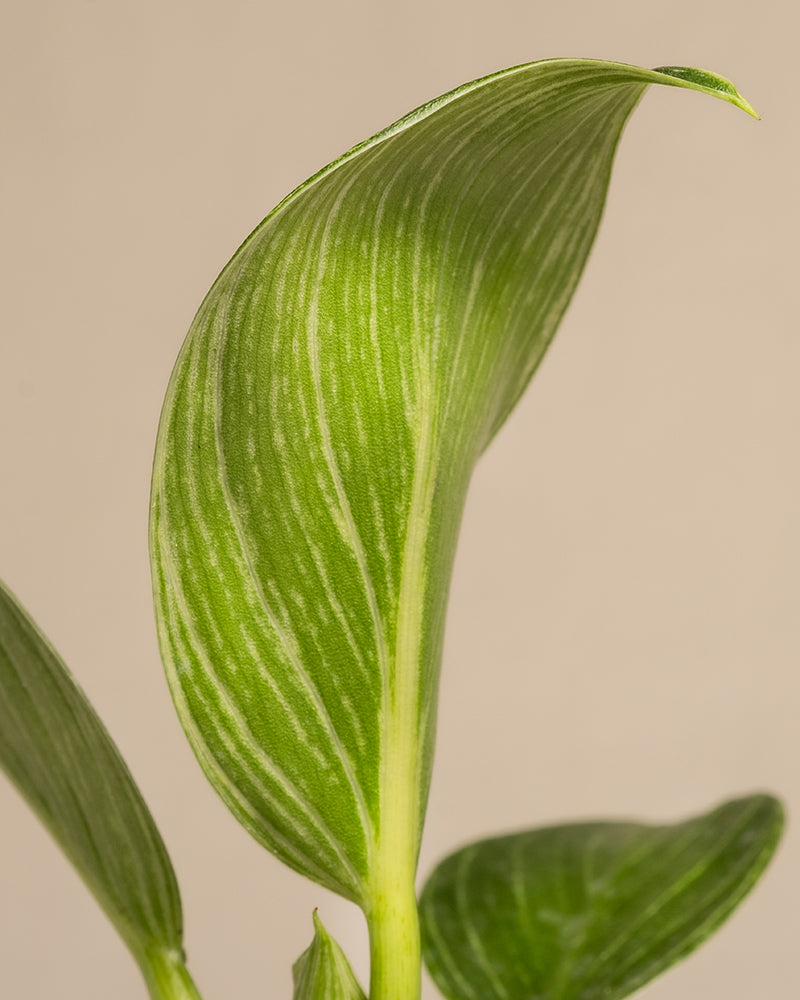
(59, 755)
(335, 390)
(590, 910)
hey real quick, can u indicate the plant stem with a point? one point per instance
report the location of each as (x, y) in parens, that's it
(394, 945)
(167, 977)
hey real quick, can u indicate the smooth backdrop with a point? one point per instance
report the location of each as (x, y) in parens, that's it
(623, 634)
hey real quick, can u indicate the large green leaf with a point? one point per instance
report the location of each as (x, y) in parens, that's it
(591, 911)
(333, 394)
(322, 972)
(59, 755)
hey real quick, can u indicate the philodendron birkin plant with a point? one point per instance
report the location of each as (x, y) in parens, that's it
(338, 385)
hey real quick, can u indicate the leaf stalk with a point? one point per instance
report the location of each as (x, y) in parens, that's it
(395, 959)
(168, 978)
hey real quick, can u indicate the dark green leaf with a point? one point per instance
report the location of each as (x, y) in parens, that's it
(590, 911)
(338, 383)
(322, 972)
(59, 755)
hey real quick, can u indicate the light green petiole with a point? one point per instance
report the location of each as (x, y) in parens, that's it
(167, 977)
(395, 962)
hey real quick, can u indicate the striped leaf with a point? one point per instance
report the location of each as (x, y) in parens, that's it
(58, 754)
(336, 387)
(322, 972)
(591, 911)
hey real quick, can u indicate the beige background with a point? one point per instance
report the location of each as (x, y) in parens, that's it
(623, 634)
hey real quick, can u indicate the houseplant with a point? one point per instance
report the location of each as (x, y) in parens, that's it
(339, 382)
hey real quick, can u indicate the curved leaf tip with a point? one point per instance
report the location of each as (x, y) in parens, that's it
(710, 83)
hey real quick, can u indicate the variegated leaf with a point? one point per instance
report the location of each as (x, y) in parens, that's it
(333, 394)
(322, 972)
(589, 911)
(59, 755)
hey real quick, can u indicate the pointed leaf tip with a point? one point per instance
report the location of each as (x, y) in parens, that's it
(322, 972)
(711, 83)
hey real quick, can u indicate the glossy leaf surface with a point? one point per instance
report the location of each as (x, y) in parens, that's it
(590, 911)
(59, 755)
(322, 972)
(333, 394)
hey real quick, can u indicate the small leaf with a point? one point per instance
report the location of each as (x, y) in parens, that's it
(322, 972)
(59, 755)
(336, 388)
(590, 911)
